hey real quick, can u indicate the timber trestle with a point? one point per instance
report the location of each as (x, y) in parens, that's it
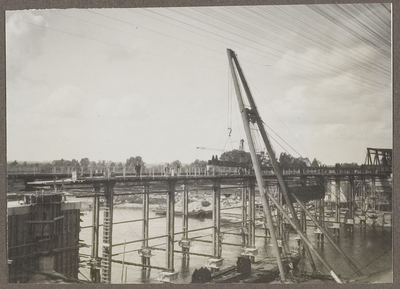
(356, 189)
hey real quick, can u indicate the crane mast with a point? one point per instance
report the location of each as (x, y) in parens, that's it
(256, 164)
(252, 115)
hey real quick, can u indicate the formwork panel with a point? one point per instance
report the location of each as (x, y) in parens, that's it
(67, 259)
(29, 237)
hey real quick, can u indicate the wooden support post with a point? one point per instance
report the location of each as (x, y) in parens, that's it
(363, 195)
(317, 216)
(185, 242)
(303, 221)
(248, 233)
(320, 217)
(185, 213)
(244, 216)
(373, 193)
(322, 206)
(304, 238)
(363, 216)
(340, 251)
(145, 252)
(267, 233)
(95, 269)
(252, 213)
(106, 262)
(170, 218)
(351, 206)
(320, 212)
(280, 224)
(336, 229)
(145, 227)
(215, 262)
(216, 246)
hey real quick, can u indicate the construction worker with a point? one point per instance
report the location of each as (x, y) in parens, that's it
(138, 167)
(166, 169)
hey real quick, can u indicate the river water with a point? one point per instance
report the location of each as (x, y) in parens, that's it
(370, 249)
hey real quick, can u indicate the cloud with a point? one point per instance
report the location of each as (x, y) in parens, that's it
(66, 101)
(358, 63)
(74, 102)
(318, 106)
(24, 42)
(119, 54)
(127, 107)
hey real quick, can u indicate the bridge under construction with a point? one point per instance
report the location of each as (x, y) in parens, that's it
(356, 192)
(330, 198)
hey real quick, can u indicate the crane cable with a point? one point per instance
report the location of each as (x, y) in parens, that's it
(230, 108)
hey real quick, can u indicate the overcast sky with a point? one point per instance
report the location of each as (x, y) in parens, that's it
(109, 84)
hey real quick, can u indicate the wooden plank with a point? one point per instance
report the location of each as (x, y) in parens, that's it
(40, 222)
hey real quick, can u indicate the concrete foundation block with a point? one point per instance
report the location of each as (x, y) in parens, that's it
(214, 263)
(167, 277)
(335, 226)
(251, 252)
(317, 231)
(184, 243)
(145, 252)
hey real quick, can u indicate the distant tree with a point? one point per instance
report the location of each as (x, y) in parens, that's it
(14, 164)
(287, 160)
(84, 162)
(264, 159)
(74, 163)
(236, 156)
(198, 163)
(176, 164)
(243, 157)
(46, 168)
(347, 165)
(59, 163)
(24, 164)
(139, 160)
(132, 161)
(315, 163)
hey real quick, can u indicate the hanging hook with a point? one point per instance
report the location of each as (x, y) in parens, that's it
(230, 131)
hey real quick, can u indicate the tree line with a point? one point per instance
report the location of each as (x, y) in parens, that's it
(85, 163)
(237, 156)
(285, 160)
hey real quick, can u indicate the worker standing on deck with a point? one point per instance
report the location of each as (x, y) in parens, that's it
(138, 167)
(166, 169)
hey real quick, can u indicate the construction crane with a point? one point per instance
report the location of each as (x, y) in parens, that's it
(241, 147)
(252, 116)
(211, 149)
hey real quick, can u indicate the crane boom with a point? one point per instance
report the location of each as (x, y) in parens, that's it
(210, 149)
(252, 115)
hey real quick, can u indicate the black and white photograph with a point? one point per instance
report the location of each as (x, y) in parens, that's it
(200, 144)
